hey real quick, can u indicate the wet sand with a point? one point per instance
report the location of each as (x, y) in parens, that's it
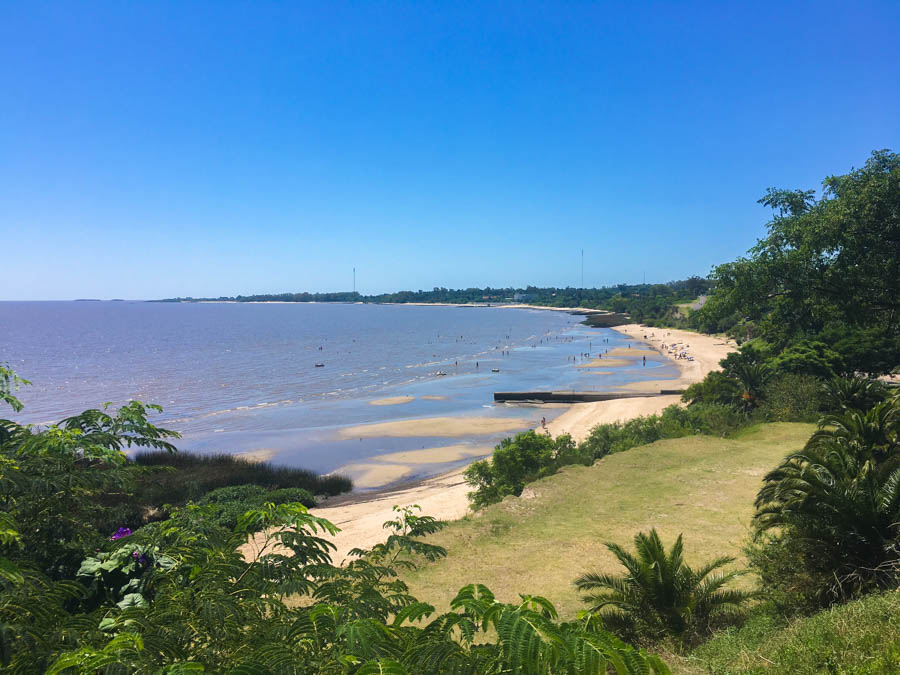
(393, 400)
(371, 475)
(260, 455)
(442, 455)
(450, 427)
(607, 363)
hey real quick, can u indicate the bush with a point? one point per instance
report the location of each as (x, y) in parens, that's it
(715, 419)
(515, 462)
(859, 637)
(836, 505)
(852, 393)
(792, 398)
(716, 389)
(235, 500)
(195, 475)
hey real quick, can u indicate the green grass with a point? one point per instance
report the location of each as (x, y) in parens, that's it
(540, 542)
(856, 638)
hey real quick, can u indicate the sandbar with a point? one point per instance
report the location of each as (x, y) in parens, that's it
(453, 427)
(632, 351)
(393, 400)
(433, 397)
(606, 363)
(374, 475)
(447, 453)
(258, 455)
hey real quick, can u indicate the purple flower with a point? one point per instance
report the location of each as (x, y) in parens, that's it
(140, 557)
(121, 533)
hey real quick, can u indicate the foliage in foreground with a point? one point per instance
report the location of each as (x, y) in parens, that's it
(660, 596)
(858, 637)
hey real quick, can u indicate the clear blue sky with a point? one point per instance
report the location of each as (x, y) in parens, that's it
(151, 149)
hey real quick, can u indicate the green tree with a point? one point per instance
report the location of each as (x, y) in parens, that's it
(660, 595)
(516, 461)
(833, 259)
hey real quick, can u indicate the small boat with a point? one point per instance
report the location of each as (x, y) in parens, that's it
(440, 372)
(495, 370)
(320, 365)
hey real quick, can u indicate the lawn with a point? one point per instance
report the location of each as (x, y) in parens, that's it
(538, 543)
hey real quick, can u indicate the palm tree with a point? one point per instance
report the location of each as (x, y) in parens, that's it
(840, 499)
(661, 595)
(752, 378)
(873, 433)
(853, 393)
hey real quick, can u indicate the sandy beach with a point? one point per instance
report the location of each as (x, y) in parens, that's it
(444, 497)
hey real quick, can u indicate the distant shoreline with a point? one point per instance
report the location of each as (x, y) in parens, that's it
(501, 305)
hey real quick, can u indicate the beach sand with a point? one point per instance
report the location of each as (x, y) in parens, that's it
(393, 400)
(361, 522)
(707, 351)
(444, 496)
(580, 418)
(450, 427)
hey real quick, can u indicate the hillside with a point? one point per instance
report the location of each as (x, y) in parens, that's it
(538, 543)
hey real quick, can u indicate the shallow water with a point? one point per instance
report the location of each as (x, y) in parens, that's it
(242, 377)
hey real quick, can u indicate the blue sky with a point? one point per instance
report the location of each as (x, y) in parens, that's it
(186, 148)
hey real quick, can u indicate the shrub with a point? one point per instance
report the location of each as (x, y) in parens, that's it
(715, 419)
(852, 393)
(660, 595)
(234, 501)
(792, 398)
(837, 503)
(716, 388)
(516, 461)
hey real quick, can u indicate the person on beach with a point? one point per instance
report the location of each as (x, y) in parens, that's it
(644, 361)
(543, 423)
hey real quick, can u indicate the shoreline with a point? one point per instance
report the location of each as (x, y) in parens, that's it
(361, 515)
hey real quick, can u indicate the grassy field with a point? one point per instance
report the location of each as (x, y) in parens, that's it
(538, 543)
(859, 637)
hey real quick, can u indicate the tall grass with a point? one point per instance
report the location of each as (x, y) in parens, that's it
(192, 476)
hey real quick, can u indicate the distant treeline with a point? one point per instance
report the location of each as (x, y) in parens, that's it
(641, 302)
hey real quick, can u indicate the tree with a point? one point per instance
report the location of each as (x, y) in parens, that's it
(833, 259)
(516, 461)
(661, 595)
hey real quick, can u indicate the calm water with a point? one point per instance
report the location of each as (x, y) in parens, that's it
(239, 377)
